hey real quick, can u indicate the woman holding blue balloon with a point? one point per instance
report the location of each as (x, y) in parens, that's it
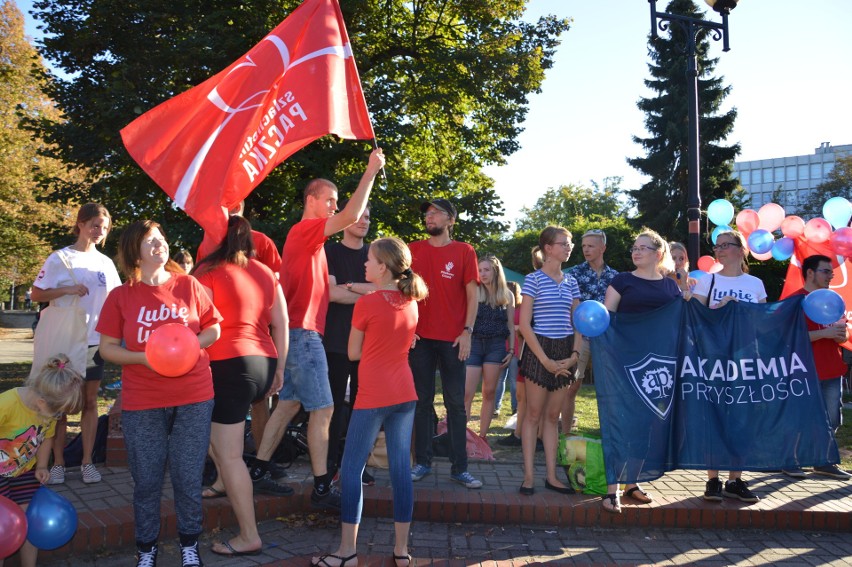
(28, 418)
(731, 283)
(643, 289)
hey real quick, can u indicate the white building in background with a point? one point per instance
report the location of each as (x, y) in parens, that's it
(793, 177)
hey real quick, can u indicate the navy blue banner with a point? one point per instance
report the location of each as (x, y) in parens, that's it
(687, 387)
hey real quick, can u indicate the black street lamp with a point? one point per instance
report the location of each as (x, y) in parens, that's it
(691, 28)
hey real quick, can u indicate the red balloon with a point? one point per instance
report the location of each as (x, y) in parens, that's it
(747, 221)
(793, 227)
(817, 230)
(705, 263)
(172, 350)
(841, 241)
(771, 216)
(13, 526)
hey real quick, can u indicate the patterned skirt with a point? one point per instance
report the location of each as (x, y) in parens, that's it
(556, 349)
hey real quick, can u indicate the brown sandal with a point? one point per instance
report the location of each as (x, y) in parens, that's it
(614, 505)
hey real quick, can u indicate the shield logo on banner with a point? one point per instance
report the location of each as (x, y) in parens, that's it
(653, 378)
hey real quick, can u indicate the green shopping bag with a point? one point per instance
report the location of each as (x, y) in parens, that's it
(583, 460)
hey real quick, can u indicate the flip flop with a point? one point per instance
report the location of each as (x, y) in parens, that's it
(233, 552)
(639, 495)
(397, 558)
(344, 561)
(216, 493)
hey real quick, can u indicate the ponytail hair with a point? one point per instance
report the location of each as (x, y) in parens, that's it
(394, 254)
(59, 385)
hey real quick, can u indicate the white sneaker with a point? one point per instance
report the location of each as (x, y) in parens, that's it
(90, 474)
(57, 475)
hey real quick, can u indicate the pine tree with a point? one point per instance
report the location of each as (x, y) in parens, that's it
(662, 201)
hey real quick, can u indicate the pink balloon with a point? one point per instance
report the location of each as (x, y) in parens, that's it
(172, 350)
(13, 526)
(762, 257)
(705, 263)
(715, 268)
(817, 230)
(771, 216)
(747, 221)
(841, 241)
(793, 226)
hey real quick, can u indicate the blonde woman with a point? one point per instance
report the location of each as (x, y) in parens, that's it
(552, 351)
(680, 274)
(494, 324)
(643, 289)
(731, 283)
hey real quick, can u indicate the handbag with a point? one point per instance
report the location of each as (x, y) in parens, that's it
(61, 330)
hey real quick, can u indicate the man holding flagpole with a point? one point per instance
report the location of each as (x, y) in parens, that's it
(304, 278)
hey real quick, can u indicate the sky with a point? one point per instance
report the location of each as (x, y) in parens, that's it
(788, 68)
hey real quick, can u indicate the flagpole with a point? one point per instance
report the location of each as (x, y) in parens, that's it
(384, 176)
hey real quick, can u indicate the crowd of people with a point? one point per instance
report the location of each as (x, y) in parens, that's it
(356, 335)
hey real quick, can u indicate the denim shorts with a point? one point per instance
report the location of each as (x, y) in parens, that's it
(486, 351)
(306, 372)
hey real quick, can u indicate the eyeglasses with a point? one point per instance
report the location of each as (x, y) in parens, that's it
(642, 248)
(428, 214)
(564, 244)
(825, 271)
(725, 245)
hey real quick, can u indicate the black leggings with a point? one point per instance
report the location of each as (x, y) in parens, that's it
(237, 383)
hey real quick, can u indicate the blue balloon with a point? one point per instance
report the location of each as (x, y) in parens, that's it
(51, 519)
(720, 212)
(591, 318)
(697, 274)
(837, 211)
(783, 248)
(719, 230)
(824, 306)
(760, 241)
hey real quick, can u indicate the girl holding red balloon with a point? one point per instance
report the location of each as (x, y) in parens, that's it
(247, 364)
(28, 418)
(165, 413)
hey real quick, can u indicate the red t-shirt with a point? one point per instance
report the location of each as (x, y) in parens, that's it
(244, 297)
(827, 355)
(132, 311)
(265, 251)
(447, 270)
(388, 321)
(304, 275)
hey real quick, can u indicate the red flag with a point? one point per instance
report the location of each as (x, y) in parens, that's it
(841, 282)
(212, 145)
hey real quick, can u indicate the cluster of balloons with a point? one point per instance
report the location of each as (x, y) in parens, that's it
(50, 522)
(172, 350)
(757, 227)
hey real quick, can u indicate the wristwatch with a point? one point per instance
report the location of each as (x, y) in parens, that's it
(469, 330)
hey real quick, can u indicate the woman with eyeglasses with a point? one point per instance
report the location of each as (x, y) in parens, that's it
(731, 283)
(643, 289)
(494, 325)
(551, 352)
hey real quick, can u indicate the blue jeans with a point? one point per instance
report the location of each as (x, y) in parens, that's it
(177, 435)
(428, 356)
(510, 375)
(363, 429)
(306, 372)
(832, 394)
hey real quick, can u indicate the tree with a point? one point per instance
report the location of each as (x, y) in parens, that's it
(661, 202)
(577, 208)
(446, 81)
(26, 223)
(837, 184)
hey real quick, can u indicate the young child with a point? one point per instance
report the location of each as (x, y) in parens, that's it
(27, 420)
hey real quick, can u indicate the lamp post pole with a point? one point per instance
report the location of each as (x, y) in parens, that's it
(691, 27)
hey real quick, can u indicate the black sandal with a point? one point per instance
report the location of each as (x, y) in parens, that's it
(406, 557)
(639, 495)
(344, 561)
(615, 505)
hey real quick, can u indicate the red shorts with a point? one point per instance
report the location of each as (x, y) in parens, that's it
(19, 489)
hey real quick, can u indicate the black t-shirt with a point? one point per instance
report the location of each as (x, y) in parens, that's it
(346, 265)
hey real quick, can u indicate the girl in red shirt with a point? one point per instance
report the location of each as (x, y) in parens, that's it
(382, 333)
(164, 419)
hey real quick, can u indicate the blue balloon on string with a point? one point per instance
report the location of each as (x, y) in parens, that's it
(720, 212)
(719, 230)
(697, 274)
(783, 249)
(824, 306)
(591, 318)
(51, 519)
(760, 241)
(837, 211)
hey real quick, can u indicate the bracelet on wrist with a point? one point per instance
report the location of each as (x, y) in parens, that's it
(577, 352)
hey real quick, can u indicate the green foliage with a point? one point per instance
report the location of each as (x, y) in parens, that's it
(578, 209)
(661, 202)
(447, 84)
(837, 184)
